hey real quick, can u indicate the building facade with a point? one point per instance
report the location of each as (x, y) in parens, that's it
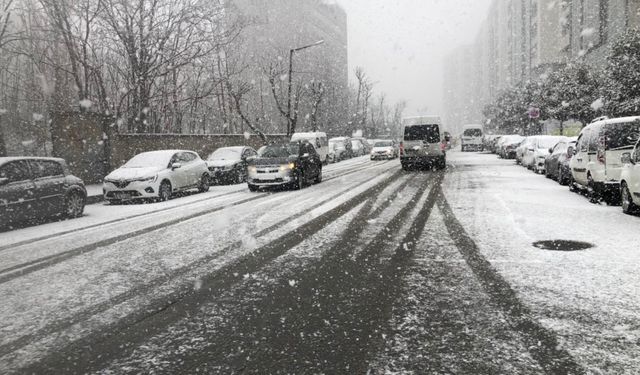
(521, 40)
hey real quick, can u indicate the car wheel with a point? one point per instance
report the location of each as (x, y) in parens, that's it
(253, 188)
(74, 204)
(319, 177)
(628, 207)
(165, 191)
(204, 183)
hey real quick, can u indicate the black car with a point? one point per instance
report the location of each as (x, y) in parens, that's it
(556, 165)
(33, 188)
(294, 165)
(228, 165)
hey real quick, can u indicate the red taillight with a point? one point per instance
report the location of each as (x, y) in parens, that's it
(401, 148)
(601, 154)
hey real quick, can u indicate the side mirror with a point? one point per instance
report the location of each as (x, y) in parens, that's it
(250, 158)
(551, 150)
(626, 158)
(175, 166)
(447, 138)
(3, 181)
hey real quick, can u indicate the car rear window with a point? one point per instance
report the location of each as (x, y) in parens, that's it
(622, 135)
(46, 168)
(429, 133)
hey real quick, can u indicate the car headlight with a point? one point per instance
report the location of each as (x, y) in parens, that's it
(287, 167)
(148, 179)
(252, 168)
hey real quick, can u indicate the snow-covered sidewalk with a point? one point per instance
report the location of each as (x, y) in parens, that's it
(590, 298)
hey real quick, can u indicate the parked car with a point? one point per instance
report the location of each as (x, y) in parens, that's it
(507, 145)
(521, 148)
(32, 188)
(295, 165)
(357, 147)
(537, 150)
(384, 149)
(157, 175)
(556, 165)
(342, 148)
(229, 164)
(319, 141)
(422, 143)
(471, 139)
(597, 165)
(630, 180)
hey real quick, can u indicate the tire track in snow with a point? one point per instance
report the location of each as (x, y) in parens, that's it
(541, 342)
(105, 342)
(26, 268)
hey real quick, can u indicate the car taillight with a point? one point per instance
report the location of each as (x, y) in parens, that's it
(601, 154)
(401, 148)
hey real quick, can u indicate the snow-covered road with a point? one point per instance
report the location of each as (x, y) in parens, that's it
(373, 270)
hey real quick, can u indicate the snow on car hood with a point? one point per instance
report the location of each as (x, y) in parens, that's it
(133, 173)
(222, 163)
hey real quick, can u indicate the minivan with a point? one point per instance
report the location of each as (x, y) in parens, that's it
(422, 144)
(472, 136)
(597, 163)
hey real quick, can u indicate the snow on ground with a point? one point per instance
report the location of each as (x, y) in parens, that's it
(104, 285)
(442, 318)
(591, 298)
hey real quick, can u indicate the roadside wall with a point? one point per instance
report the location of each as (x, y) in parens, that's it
(86, 141)
(125, 146)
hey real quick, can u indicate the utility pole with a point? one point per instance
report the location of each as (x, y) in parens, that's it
(291, 53)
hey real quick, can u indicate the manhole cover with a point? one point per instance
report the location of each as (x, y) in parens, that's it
(562, 245)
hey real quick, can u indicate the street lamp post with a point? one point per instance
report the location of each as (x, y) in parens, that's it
(291, 52)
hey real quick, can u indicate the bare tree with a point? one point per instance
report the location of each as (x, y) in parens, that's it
(237, 93)
(274, 75)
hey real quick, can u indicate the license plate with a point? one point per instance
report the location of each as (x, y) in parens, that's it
(120, 195)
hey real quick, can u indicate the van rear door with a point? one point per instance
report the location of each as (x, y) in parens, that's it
(422, 140)
(619, 138)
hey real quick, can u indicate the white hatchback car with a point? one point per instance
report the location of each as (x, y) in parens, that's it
(630, 181)
(157, 175)
(537, 151)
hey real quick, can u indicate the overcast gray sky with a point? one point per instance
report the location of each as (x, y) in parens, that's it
(401, 44)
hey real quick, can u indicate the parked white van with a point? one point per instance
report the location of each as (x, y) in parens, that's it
(318, 140)
(422, 144)
(597, 163)
(472, 136)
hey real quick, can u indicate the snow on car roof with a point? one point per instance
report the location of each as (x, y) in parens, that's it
(6, 159)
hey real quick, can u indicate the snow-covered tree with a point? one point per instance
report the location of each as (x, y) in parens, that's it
(622, 85)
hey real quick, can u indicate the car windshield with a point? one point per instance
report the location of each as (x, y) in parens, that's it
(149, 159)
(280, 151)
(226, 154)
(392, 221)
(546, 143)
(383, 144)
(473, 133)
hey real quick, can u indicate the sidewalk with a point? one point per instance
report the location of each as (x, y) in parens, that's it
(94, 194)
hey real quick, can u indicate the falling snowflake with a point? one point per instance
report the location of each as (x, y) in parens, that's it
(37, 117)
(86, 104)
(598, 104)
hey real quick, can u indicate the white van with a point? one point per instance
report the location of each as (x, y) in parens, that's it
(471, 139)
(422, 144)
(318, 140)
(597, 164)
